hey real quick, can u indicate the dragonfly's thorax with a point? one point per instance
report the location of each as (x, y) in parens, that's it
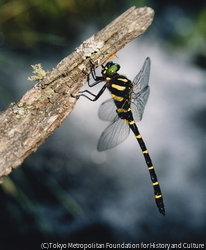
(120, 88)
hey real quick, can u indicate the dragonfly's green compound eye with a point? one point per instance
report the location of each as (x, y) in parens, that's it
(111, 68)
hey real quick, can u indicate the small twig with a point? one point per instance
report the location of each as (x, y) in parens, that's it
(25, 125)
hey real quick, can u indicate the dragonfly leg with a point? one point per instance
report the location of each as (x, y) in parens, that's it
(95, 97)
(82, 93)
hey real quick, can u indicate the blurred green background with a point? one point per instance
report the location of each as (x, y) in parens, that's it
(66, 191)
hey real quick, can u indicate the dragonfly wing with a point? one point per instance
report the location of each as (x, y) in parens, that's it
(138, 103)
(142, 78)
(107, 110)
(141, 91)
(113, 135)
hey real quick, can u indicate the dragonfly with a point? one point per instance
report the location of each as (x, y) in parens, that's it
(123, 111)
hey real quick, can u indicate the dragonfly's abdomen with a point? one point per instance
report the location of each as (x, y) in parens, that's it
(127, 116)
(155, 183)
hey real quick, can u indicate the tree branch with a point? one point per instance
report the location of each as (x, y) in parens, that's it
(26, 124)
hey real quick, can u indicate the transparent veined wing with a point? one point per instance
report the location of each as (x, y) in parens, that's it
(107, 110)
(141, 91)
(113, 135)
(142, 78)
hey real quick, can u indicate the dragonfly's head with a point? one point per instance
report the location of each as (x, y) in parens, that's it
(110, 69)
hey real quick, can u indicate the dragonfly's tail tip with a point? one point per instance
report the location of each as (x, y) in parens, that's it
(162, 212)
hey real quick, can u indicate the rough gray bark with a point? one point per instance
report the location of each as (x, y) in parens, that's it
(26, 124)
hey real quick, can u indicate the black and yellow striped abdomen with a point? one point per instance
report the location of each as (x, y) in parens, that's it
(128, 118)
(155, 183)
